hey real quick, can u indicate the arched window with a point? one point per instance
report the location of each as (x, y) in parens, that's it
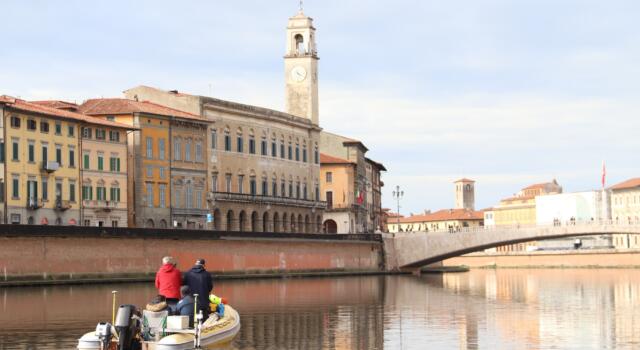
(299, 44)
(240, 143)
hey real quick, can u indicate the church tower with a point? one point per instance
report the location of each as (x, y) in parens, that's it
(465, 194)
(301, 68)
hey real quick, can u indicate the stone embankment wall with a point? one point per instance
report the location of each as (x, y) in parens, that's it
(566, 258)
(33, 254)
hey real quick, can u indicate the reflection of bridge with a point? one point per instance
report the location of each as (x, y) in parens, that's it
(416, 249)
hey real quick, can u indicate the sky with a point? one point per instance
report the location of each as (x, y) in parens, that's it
(507, 93)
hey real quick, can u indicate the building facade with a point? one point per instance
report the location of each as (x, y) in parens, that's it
(451, 220)
(465, 194)
(625, 208)
(337, 181)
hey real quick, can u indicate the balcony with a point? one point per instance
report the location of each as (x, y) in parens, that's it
(271, 200)
(50, 166)
(189, 211)
(62, 205)
(100, 205)
(34, 203)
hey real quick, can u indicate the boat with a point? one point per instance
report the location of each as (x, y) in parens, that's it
(131, 330)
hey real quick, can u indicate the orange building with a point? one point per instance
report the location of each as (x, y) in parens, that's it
(442, 220)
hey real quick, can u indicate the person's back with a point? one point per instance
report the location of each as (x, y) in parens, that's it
(200, 282)
(168, 280)
(186, 305)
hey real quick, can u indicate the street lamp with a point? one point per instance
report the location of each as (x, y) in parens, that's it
(397, 195)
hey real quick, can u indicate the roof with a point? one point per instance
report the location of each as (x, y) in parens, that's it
(57, 104)
(631, 183)
(377, 164)
(515, 198)
(464, 179)
(102, 106)
(26, 106)
(327, 159)
(444, 215)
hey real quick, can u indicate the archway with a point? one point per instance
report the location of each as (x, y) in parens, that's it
(217, 219)
(330, 226)
(149, 224)
(163, 223)
(265, 222)
(307, 225)
(293, 223)
(285, 223)
(242, 220)
(300, 224)
(230, 221)
(318, 224)
(254, 222)
(276, 222)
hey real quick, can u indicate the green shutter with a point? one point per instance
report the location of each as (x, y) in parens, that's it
(100, 163)
(86, 161)
(118, 164)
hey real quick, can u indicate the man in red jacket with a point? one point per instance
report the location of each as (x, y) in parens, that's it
(168, 280)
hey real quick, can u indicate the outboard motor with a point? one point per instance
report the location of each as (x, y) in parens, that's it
(103, 331)
(128, 326)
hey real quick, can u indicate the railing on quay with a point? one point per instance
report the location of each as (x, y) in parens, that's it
(262, 199)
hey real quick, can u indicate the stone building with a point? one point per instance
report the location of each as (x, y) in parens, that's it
(263, 165)
(465, 194)
(149, 156)
(625, 208)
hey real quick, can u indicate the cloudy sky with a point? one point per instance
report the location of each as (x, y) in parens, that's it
(508, 93)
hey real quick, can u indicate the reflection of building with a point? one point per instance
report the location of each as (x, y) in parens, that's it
(521, 209)
(355, 193)
(447, 219)
(625, 208)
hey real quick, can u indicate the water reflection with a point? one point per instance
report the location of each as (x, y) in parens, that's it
(485, 309)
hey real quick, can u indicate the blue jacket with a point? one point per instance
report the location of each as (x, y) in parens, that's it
(201, 283)
(185, 308)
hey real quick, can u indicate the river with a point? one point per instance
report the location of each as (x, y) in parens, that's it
(480, 309)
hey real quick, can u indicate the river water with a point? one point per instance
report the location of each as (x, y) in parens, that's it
(481, 309)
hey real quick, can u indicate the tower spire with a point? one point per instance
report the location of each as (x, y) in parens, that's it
(300, 5)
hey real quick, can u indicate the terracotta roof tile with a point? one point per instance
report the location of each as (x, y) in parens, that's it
(464, 179)
(26, 106)
(631, 183)
(327, 159)
(103, 106)
(445, 214)
(57, 104)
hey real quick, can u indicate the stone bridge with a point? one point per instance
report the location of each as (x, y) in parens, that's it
(412, 250)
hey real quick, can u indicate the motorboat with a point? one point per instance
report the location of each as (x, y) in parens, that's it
(135, 330)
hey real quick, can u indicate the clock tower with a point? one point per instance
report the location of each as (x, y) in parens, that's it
(301, 68)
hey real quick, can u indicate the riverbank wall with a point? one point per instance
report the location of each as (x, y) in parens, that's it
(579, 258)
(56, 255)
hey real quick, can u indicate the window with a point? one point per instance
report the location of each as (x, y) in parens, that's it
(214, 182)
(15, 122)
(290, 189)
(228, 182)
(86, 133)
(239, 144)
(265, 187)
(177, 149)
(111, 118)
(304, 191)
(161, 149)
(227, 141)
(71, 131)
(100, 161)
(149, 195)
(189, 196)
(163, 189)
(329, 195)
(101, 134)
(290, 153)
(45, 188)
(31, 152)
(72, 157)
(198, 151)
(2, 149)
(149, 147)
(317, 192)
(304, 154)
(58, 128)
(149, 171)
(329, 177)
(274, 149)
(263, 147)
(240, 183)
(316, 156)
(15, 219)
(114, 163)
(14, 150)
(87, 192)
(85, 162)
(31, 124)
(15, 193)
(161, 171)
(45, 153)
(252, 186)
(298, 190)
(177, 195)
(115, 194)
(187, 150)
(101, 193)
(282, 149)
(274, 188)
(252, 145)
(59, 154)
(44, 127)
(198, 199)
(114, 136)
(283, 189)
(297, 153)
(214, 139)
(72, 191)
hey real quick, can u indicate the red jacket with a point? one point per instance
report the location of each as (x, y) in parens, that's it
(168, 280)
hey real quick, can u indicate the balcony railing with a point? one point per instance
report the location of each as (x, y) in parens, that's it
(62, 205)
(273, 200)
(34, 203)
(100, 204)
(189, 211)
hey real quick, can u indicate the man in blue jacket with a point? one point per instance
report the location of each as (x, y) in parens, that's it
(201, 283)
(185, 305)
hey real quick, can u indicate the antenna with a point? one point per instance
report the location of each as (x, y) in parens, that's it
(301, 6)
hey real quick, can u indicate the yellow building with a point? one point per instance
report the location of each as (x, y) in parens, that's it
(42, 163)
(451, 220)
(625, 208)
(148, 155)
(337, 185)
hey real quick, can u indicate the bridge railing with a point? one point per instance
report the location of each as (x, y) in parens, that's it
(570, 223)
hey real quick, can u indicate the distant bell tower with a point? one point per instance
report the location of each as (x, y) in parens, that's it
(301, 68)
(465, 194)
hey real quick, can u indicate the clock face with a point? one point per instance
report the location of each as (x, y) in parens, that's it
(298, 73)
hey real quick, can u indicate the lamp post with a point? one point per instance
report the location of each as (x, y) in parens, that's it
(397, 195)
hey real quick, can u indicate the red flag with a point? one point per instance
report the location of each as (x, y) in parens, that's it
(604, 174)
